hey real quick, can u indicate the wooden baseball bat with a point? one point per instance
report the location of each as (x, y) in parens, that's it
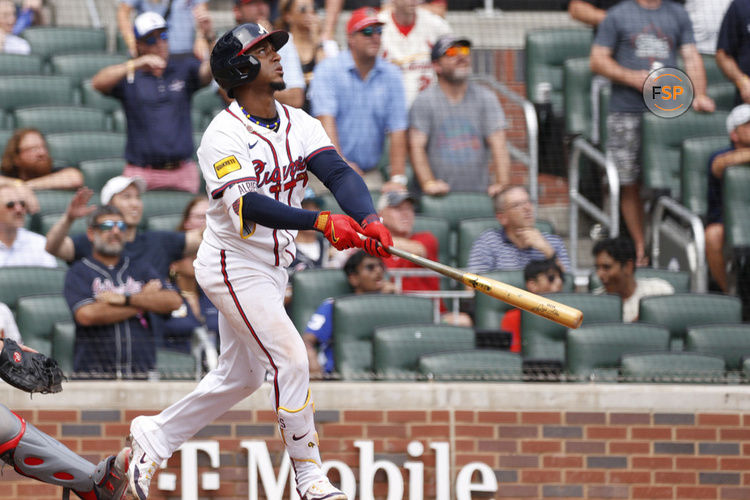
(541, 306)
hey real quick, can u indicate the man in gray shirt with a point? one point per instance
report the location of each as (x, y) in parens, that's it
(634, 35)
(456, 127)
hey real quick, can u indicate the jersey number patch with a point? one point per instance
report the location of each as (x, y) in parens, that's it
(226, 166)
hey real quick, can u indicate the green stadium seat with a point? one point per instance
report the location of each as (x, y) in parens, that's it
(542, 339)
(477, 364)
(25, 91)
(731, 342)
(604, 95)
(397, 349)
(680, 280)
(51, 201)
(54, 119)
(355, 317)
(720, 89)
(83, 66)
(577, 96)
(175, 365)
(46, 222)
(694, 170)
(36, 316)
(311, 287)
(47, 41)
(20, 64)
(672, 367)
(70, 149)
(96, 173)
(21, 281)
(736, 201)
(330, 203)
(5, 123)
(5, 136)
(440, 229)
(207, 102)
(661, 143)
(162, 202)
(680, 311)
(593, 351)
(94, 99)
(455, 207)
(167, 222)
(546, 52)
(470, 229)
(63, 344)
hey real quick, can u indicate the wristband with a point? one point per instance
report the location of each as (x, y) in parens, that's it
(400, 179)
(130, 67)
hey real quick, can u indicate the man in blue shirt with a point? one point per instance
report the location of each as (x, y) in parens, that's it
(156, 90)
(359, 98)
(109, 296)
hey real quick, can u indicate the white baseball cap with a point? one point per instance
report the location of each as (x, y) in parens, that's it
(146, 23)
(740, 115)
(118, 184)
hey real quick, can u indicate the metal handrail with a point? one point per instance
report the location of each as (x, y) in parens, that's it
(530, 157)
(698, 269)
(577, 200)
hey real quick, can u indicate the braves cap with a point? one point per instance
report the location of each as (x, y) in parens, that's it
(361, 19)
(740, 115)
(118, 184)
(394, 199)
(444, 43)
(146, 23)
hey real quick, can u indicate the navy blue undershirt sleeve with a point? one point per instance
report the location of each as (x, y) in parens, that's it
(346, 185)
(268, 212)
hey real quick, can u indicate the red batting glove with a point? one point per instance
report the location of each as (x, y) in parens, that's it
(377, 233)
(341, 230)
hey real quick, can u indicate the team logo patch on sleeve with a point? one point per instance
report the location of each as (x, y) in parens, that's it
(226, 166)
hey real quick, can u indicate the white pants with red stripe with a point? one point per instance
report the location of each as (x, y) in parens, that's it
(257, 337)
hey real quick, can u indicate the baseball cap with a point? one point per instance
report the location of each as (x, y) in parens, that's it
(444, 43)
(740, 115)
(361, 19)
(118, 184)
(146, 23)
(394, 199)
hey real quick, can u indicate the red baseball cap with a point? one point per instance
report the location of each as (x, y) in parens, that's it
(361, 19)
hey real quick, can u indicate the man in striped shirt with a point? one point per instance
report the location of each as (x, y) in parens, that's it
(517, 241)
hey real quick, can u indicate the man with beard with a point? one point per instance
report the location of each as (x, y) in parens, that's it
(18, 246)
(457, 128)
(109, 295)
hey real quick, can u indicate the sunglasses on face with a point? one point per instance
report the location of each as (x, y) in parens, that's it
(372, 30)
(151, 39)
(13, 203)
(458, 50)
(109, 225)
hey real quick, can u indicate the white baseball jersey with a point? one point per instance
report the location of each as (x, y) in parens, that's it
(237, 157)
(411, 52)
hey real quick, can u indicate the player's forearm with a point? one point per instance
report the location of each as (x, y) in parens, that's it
(160, 301)
(67, 178)
(729, 67)
(58, 243)
(397, 153)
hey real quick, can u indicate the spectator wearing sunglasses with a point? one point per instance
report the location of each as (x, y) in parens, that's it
(359, 99)
(18, 246)
(457, 128)
(110, 295)
(155, 90)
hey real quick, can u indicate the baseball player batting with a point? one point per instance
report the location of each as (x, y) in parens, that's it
(255, 157)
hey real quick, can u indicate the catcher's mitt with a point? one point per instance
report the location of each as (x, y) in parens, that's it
(28, 371)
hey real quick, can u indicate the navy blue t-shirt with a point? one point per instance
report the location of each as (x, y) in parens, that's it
(157, 248)
(128, 346)
(178, 327)
(158, 112)
(734, 36)
(715, 197)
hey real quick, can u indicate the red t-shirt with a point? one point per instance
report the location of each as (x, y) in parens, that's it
(511, 322)
(430, 243)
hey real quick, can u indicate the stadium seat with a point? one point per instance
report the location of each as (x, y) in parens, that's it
(736, 202)
(175, 365)
(661, 143)
(397, 349)
(577, 96)
(671, 367)
(96, 173)
(355, 317)
(720, 89)
(5, 135)
(47, 41)
(593, 351)
(455, 207)
(732, 342)
(440, 229)
(51, 202)
(94, 99)
(476, 364)
(311, 287)
(680, 280)
(682, 310)
(79, 225)
(166, 222)
(63, 344)
(21, 281)
(25, 91)
(54, 119)
(20, 64)
(207, 102)
(542, 339)
(162, 202)
(470, 229)
(70, 149)
(36, 316)
(546, 52)
(330, 203)
(694, 157)
(5, 123)
(83, 66)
